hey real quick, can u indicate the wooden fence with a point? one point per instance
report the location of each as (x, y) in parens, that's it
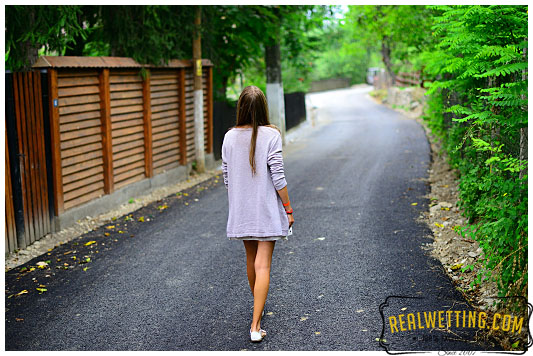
(111, 127)
(83, 127)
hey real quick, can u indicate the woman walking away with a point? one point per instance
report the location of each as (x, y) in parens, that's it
(260, 212)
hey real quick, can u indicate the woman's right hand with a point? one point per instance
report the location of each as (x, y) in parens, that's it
(291, 219)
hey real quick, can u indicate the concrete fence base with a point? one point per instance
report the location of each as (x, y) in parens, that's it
(111, 201)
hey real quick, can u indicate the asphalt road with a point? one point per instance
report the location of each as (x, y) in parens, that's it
(176, 282)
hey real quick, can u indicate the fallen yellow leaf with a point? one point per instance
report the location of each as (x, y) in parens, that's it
(22, 292)
(90, 243)
(317, 332)
(439, 225)
(106, 233)
(456, 266)
(141, 219)
(414, 204)
(110, 227)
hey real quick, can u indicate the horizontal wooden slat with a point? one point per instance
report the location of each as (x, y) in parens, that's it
(127, 161)
(65, 110)
(166, 147)
(128, 123)
(78, 72)
(166, 107)
(127, 145)
(162, 135)
(123, 139)
(89, 131)
(131, 151)
(83, 199)
(74, 91)
(125, 94)
(76, 81)
(127, 78)
(79, 142)
(83, 190)
(167, 127)
(86, 164)
(79, 100)
(164, 94)
(96, 146)
(65, 162)
(126, 86)
(163, 88)
(167, 167)
(158, 81)
(125, 182)
(164, 121)
(164, 75)
(126, 102)
(78, 125)
(166, 141)
(164, 101)
(122, 117)
(126, 109)
(126, 131)
(163, 161)
(65, 119)
(130, 174)
(95, 171)
(129, 168)
(164, 114)
(83, 182)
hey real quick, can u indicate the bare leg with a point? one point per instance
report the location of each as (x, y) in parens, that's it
(251, 251)
(263, 260)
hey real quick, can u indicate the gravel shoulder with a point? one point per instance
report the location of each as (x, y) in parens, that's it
(449, 247)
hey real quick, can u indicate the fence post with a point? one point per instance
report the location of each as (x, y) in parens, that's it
(55, 138)
(147, 121)
(105, 117)
(198, 94)
(182, 117)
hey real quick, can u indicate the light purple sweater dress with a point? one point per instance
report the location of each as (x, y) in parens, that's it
(256, 211)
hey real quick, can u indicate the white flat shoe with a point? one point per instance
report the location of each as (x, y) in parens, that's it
(257, 336)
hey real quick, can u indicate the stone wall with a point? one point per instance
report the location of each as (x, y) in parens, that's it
(411, 98)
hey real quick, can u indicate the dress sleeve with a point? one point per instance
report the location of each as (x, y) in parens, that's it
(225, 163)
(275, 163)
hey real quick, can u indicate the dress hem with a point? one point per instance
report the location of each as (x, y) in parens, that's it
(257, 238)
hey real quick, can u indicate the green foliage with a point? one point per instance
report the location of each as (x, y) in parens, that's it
(478, 106)
(30, 27)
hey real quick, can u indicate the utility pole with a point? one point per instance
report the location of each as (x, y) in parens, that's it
(274, 87)
(198, 93)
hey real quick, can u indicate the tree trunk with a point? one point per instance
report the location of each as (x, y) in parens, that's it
(274, 86)
(31, 49)
(385, 53)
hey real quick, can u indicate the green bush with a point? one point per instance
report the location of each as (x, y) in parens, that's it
(478, 107)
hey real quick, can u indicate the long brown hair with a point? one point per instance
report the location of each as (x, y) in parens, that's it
(252, 109)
